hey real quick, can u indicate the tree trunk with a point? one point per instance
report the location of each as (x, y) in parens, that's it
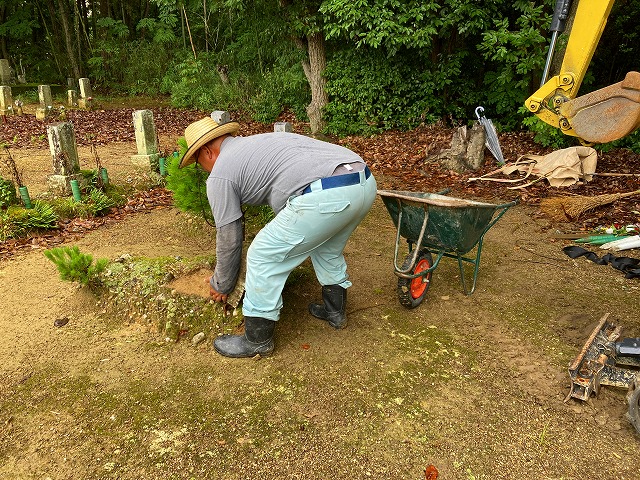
(63, 10)
(314, 71)
(54, 36)
(4, 53)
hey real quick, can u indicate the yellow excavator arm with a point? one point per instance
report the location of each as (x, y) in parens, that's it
(600, 116)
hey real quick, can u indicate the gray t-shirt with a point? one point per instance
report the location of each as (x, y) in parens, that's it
(267, 169)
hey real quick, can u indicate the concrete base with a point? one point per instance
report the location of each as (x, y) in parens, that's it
(149, 162)
(85, 103)
(42, 113)
(60, 185)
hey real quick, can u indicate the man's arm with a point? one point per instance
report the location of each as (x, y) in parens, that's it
(229, 255)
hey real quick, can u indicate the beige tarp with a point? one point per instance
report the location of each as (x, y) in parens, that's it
(561, 168)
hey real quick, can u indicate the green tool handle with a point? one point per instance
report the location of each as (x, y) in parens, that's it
(598, 239)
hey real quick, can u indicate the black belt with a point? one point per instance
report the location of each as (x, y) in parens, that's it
(337, 181)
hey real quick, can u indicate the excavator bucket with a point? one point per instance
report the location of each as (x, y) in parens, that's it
(606, 114)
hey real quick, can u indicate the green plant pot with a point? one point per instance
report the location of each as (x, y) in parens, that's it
(75, 190)
(104, 176)
(24, 194)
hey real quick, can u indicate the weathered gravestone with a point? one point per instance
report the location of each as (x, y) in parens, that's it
(72, 98)
(86, 96)
(282, 127)
(146, 140)
(6, 101)
(220, 116)
(64, 152)
(5, 72)
(46, 102)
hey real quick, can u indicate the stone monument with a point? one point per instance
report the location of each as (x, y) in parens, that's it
(46, 102)
(5, 72)
(220, 116)
(84, 101)
(66, 167)
(6, 101)
(146, 140)
(282, 127)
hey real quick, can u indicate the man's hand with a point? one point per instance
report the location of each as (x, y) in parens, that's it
(215, 295)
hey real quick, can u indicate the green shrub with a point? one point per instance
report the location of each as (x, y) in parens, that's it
(188, 185)
(75, 266)
(545, 134)
(283, 87)
(632, 142)
(94, 203)
(8, 194)
(371, 92)
(189, 189)
(99, 203)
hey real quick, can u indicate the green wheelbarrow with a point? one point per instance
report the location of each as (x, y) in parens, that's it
(445, 226)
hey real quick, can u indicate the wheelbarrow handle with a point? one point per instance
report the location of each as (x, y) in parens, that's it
(502, 210)
(418, 243)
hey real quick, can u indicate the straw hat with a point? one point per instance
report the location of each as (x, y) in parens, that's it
(201, 132)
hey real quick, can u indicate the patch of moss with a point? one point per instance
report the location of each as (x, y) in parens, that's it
(135, 289)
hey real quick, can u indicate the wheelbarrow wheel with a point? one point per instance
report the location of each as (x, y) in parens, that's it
(411, 291)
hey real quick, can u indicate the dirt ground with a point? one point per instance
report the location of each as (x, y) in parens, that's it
(474, 385)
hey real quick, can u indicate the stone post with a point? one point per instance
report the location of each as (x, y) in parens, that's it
(5, 72)
(282, 127)
(46, 102)
(6, 101)
(72, 98)
(220, 117)
(85, 93)
(62, 144)
(146, 140)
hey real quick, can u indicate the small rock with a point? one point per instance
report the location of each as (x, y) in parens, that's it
(197, 338)
(61, 322)
(125, 257)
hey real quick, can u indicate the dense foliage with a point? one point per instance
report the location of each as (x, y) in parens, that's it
(389, 64)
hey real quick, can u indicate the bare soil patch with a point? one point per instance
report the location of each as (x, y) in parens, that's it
(474, 385)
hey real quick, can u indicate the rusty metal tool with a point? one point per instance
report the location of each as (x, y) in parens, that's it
(606, 359)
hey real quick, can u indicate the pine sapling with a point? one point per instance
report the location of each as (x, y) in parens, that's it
(75, 266)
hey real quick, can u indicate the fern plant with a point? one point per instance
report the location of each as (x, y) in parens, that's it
(100, 203)
(17, 222)
(75, 266)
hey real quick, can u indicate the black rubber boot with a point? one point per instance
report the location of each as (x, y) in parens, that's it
(332, 310)
(257, 339)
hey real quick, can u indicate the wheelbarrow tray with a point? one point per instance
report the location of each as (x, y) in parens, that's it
(447, 226)
(454, 224)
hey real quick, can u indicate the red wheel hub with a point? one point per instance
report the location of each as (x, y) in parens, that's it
(419, 284)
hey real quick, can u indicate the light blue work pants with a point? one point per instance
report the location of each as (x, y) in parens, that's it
(317, 225)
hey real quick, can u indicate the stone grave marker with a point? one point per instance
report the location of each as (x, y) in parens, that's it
(146, 140)
(46, 102)
(5, 72)
(6, 101)
(84, 101)
(220, 116)
(64, 152)
(72, 98)
(282, 127)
